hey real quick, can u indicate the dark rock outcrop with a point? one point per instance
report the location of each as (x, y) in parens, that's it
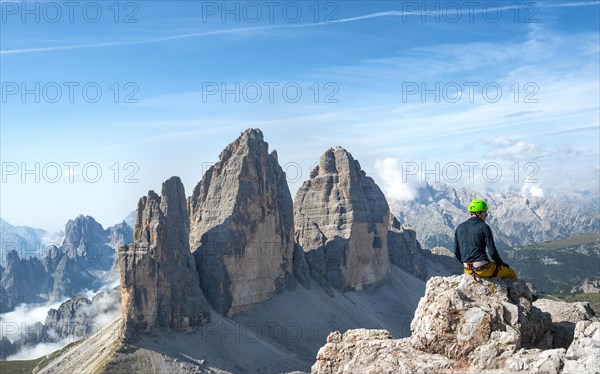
(7, 348)
(405, 251)
(442, 262)
(23, 281)
(69, 275)
(341, 222)
(241, 226)
(159, 281)
(68, 319)
(80, 317)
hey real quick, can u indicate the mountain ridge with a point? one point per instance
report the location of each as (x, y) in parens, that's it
(514, 219)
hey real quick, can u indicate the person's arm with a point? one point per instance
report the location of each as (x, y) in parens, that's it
(457, 246)
(491, 246)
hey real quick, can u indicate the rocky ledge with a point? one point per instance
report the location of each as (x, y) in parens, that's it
(465, 324)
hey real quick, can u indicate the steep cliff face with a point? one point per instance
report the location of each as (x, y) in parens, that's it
(159, 281)
(405, 251)
(341, 221)
(241, 226)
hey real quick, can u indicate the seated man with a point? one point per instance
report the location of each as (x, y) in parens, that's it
(471, 238)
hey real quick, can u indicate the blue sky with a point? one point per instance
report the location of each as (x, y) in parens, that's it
(399, 84)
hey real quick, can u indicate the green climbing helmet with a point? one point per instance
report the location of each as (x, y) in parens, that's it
(478, 206)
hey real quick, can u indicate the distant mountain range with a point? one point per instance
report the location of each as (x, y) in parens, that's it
(81, 262)
(515, 220)
(23, 239)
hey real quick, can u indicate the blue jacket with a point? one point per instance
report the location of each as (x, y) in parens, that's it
(470, 240)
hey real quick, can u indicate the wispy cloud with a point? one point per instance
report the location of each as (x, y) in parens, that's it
(514, 150)
(391, 13)
(134, 42)
(576, 129)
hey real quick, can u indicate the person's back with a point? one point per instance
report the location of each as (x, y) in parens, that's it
(470, 241)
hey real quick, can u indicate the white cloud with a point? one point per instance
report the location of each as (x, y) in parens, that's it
(395, 184)
(14, 325)
(39, 350)
(22, 318)
(532, 190)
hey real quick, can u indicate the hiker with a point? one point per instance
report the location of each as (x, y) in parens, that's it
(470, 240)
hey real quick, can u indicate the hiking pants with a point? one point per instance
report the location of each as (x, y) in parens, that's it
(502, 272)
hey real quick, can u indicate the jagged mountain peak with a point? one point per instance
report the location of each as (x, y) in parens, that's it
(250, 142)
(82, 226)
(252, 133)
(241, 206)
(122, 224)
(341, 222)
(12, 257)
(335, 160)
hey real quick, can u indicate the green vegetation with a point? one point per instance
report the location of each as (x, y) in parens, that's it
(564, 243)
(557, 267)
(27, 366)
(14, 367)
